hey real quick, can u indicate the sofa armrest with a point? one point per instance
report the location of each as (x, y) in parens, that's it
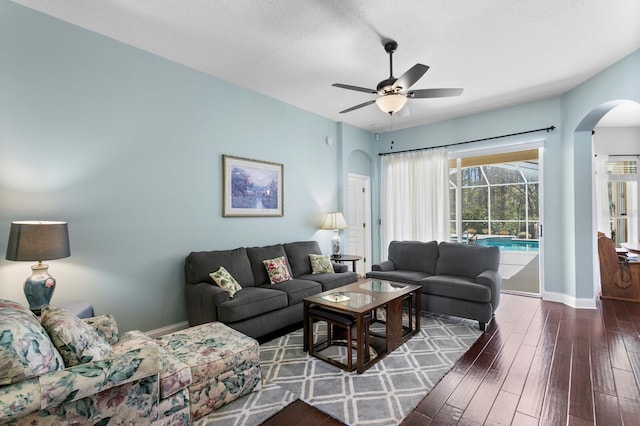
(80, 381)
(339, 267)
(385, 265)
(202, 301)
(493, 280)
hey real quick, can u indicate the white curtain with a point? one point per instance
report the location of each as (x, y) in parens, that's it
(602, 195)
(415, 197)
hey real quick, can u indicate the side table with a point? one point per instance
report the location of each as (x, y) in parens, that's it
(80, 308)
(341, 258)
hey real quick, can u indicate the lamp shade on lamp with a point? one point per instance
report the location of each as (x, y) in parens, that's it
(335, 221)
(38, 241)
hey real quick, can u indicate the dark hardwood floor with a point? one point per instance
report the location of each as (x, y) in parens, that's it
(538, 363)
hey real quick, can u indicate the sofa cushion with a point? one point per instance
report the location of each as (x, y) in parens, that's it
(331, 281)
(297, 289)
(298, 255)
(277, 270)
(257, 255)
(414, 255)
(403, 276)
(456, 287)
(251, 302)
(106, 326)
(175, 375)
(224, 363)
(225, 280)
(321, 264)
(466, 260)
(198, 266)
(77, 341)
(25, 348)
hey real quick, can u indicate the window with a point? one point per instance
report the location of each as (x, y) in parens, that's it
(498, 195)
(622, 175)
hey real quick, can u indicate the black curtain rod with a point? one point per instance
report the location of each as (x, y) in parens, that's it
(547, 129)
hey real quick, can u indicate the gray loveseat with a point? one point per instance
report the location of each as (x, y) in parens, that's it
(457, 279)
(259, 308)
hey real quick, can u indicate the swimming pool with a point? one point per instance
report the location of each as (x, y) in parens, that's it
(510, 243)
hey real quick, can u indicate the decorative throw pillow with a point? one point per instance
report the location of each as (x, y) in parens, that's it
(77, 341)
(321, 264)
(277, 270)
(25, 349)
(225, 280)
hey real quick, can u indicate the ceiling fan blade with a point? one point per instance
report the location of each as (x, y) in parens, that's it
(364, 104)
(357, 88)
(412, 75)
(434, 93)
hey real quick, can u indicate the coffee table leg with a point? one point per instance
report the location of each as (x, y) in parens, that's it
(359, 348)
(305, 327)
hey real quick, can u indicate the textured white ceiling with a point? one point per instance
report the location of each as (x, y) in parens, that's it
(502, 52)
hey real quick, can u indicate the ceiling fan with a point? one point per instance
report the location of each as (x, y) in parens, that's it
(394, 92)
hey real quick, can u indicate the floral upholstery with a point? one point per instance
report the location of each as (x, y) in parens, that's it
(77, 341)
(105, 326)
(321, 264)
(25, 349)
(225, 364)
(175, 374)
(168, 381)
(277, 270)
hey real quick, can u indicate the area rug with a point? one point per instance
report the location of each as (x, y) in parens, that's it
(252, 409)
(387, 392)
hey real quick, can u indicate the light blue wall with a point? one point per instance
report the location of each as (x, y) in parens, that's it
(127, 148)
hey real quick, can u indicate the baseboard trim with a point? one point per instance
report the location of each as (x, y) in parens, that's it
(577, 303)
(168, 329)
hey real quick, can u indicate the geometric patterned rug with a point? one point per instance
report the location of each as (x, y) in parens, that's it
(383, 395)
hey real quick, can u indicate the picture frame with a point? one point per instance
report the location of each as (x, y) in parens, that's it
(252, 188)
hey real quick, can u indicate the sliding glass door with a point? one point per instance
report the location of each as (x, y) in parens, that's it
(494, 201)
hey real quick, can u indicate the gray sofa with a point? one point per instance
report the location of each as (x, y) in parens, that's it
(259, 308)
(457, 279)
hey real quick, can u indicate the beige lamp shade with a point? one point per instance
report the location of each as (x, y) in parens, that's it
(335, 221)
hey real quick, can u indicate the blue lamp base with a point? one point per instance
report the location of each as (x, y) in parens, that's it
(39, 287)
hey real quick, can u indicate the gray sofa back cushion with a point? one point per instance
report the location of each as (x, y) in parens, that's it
(198, 266)
(414, 255)
(298, 255)
(258, 254)
(466, 260)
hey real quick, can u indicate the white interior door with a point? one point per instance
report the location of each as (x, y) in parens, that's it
(358, 236)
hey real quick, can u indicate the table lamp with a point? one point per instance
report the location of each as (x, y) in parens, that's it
(335, 221)
(38, 241)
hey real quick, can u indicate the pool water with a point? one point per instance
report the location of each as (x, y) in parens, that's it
(510, 243)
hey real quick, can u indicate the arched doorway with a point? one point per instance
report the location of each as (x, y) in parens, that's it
(617, 113)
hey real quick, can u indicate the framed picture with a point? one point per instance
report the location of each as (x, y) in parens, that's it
(252, 187)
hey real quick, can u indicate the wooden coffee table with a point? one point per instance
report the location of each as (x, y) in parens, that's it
(361, 300)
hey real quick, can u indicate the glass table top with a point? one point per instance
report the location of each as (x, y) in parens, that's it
(381, 286)
(352, 299)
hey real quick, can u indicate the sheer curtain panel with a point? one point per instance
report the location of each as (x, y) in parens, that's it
(602, 195)
(415, 197)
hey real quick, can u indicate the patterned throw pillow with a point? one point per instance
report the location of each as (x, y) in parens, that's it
(225, 280)
(277, 270)
(321, 264)
(25, 349)
(77, 341)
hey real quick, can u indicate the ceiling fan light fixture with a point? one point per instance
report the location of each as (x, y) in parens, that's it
(391, 103)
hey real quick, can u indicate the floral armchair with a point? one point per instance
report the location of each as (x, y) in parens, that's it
(61, 369)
